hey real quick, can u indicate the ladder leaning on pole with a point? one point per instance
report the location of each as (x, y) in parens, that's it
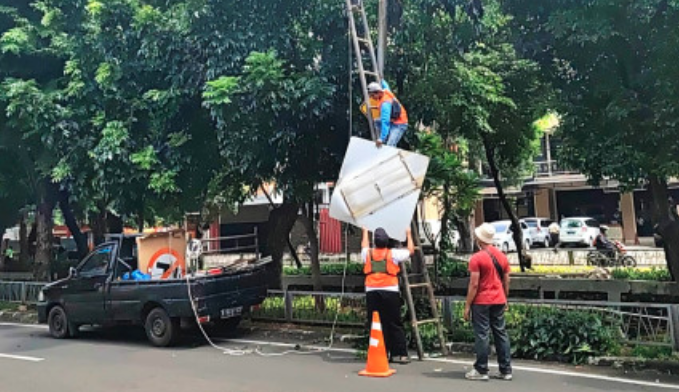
(364, 43)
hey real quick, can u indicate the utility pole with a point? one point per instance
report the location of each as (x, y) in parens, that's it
(382, 35)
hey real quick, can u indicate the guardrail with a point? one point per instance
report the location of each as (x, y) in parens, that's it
(638, 323)
(21, 292)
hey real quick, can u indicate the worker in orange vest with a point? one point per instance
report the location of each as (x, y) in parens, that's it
(391, 118)
(382, 265)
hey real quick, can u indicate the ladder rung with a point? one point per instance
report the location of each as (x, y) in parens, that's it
(364, 40)
(418, 285)
(371, 73)
(428, 321)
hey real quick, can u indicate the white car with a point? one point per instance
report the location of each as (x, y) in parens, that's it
(578, 231)
(538, 231)
(503, 236)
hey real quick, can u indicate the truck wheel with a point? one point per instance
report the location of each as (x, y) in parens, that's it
(161, 330)
(60, 327)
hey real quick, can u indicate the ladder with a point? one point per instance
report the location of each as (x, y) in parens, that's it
(363, 42)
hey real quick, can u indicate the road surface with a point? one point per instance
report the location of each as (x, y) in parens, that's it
(30, 361)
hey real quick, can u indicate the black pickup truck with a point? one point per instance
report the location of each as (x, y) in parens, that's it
(95, 294)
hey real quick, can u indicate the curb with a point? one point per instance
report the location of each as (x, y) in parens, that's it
(668, 366)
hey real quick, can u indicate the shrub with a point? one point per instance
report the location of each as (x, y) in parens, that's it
(657, 274)
(562, 335)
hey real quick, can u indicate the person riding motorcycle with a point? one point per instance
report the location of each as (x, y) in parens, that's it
(603, 244)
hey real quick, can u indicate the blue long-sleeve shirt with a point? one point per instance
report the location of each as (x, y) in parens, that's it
(385, 115)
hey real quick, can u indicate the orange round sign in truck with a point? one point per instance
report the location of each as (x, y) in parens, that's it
(166, 263)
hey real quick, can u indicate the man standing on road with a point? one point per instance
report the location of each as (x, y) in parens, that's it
(486, 305)
(391, 119)
(382, 266)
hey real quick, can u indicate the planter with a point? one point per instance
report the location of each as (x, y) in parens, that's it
(614, 289)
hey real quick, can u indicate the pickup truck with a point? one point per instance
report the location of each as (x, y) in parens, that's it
(95, 293)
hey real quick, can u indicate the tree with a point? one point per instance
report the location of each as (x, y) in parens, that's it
(269, 120)
(453, 185)
(613, 64)
(470, 82)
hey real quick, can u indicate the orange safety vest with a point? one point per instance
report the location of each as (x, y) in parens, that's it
(380, 271)
(388, 96)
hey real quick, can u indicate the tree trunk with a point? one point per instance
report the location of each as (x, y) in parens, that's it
(308, 223)
(293, 253)
(281, 221)
(465, 230)
(114, 223)
(23, 240)
(517, 234)
(98, 225)
(666, 224)
(32, 236)
(72, 224)
(44, 223)
(140, 221)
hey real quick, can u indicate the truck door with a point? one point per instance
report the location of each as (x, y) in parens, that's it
(85, 304)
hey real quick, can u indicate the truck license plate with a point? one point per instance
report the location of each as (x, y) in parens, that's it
(231, 312)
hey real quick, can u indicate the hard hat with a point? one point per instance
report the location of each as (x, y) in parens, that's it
(604, 228)
(374, 87)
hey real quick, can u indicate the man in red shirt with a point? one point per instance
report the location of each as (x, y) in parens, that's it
(486, 304)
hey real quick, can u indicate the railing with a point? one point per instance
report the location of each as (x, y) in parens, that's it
(254, 248)
(20, 292)
(638, 323)
(550, 168)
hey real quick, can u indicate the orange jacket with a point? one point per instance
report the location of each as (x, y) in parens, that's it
(380, 269)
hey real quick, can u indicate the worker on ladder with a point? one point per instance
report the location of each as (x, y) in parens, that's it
(382, 266)
(391, 118)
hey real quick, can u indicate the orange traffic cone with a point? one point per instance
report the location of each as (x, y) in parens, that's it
(378, 365)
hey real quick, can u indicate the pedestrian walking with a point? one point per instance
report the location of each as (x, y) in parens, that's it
(554, 234)
(391, 118)
(486, 305)
(382, 266)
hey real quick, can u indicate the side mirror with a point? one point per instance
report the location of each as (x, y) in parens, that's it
(72, 272)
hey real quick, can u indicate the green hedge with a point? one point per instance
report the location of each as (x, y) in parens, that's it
(458, 269)
(657, 274)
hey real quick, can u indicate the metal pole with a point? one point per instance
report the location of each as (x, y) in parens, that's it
(549, 155)
(382, 35)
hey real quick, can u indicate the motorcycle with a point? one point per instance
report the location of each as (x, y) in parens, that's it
(620, 259)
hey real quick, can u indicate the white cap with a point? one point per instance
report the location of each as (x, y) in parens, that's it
(485, 233)
(374, 87)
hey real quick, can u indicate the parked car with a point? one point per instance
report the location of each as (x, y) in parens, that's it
(503, 236)
(579, 231)
(538, 231)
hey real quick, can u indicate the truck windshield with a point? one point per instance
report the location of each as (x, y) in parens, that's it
(97, 262)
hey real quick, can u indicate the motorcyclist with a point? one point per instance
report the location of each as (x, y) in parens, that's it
(603, 244)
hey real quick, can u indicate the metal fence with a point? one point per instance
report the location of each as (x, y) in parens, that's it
(637, 323)
(21, 292)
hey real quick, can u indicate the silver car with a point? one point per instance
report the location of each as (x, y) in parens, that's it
(538, 231)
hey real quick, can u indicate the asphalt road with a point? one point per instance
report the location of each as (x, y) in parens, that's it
(30, 361)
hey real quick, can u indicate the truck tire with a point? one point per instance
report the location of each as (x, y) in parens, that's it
(161, 330)
(59, 326)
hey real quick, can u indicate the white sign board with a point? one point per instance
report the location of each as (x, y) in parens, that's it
(378, 187)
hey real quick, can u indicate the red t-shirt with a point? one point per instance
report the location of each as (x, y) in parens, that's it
(490, 291)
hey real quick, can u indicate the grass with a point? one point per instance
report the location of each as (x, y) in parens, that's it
(7, 306)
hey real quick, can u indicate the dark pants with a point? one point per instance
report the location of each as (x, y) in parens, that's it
(388, 305)
(484, 319)
(554, 239)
